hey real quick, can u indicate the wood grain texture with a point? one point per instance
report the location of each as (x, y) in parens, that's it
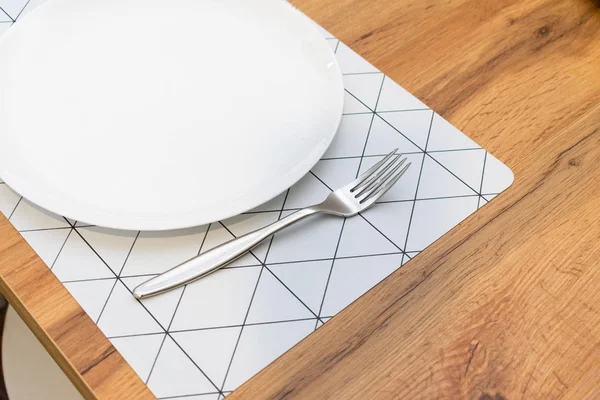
(506, 304)
(508, 73)
(65, 330)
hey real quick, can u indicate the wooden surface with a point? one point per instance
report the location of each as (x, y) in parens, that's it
(507, 305)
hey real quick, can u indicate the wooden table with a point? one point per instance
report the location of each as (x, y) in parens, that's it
(507, 305)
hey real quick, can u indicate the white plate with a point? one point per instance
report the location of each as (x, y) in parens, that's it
(163, 114)
(29, 371)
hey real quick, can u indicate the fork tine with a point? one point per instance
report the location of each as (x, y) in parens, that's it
(367, 174)
(385, 184)
(381, 175)
(382, 180)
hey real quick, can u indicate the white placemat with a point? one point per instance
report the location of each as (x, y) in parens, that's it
(203, 341)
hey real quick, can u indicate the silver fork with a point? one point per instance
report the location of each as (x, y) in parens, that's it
(347, 201)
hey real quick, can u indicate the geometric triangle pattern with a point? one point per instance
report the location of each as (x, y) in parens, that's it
(496, 177)
(77, 261)
(273, 302)
(211, 349)
(383, 135)
(47, 243)
(123, 315)
(438, 181)
(139, 351)
(392, 220)
(308, 191)
(393, 97)
(271, 340)
(466, 165)
(307, 280)
(444, 136)
(204, 340)
(432, 218)
(361, 238)
(8, 200)
(162, 308)
(28, 216)
(351, 135)
(353, 106)
(4, 18)
(13, 8)
(364, 87)
(219, 300)
(175, 374)
(350, 279)
(113, 247)
(414, 124)
(91, 295)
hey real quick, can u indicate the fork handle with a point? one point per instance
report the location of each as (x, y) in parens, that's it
(216, 258)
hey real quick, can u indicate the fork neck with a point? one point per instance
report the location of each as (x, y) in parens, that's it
(305, 212)
(289, 220)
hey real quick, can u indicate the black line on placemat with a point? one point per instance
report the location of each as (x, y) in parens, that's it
(45, 229)
(454, 150)
(135, 335)
(412, 212)
(22, 9)
(129, 252)
(118, 280)
(283, 321)
(361, 102)
(107, 299)
(403, 111)
(359, 113)
(483, 174)
(403, 135)
(212, 328)
(363, 73)
(382, 234)
(189, 395)
(15, 208)
(362, 156)
(194, 362)
(241, 330)
(291, 291)
(253, 293)
(185, 287)
(87, 280)
(155, 358)
(61, 249)
(331, 269)
(452, 173)
(428, 199)
(336, 258)
(11, 18)
(116, 276)
(366, 156)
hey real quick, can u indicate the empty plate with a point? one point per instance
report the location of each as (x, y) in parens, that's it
(153, 115)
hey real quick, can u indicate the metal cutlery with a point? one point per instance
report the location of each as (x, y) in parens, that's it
(346, 201)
